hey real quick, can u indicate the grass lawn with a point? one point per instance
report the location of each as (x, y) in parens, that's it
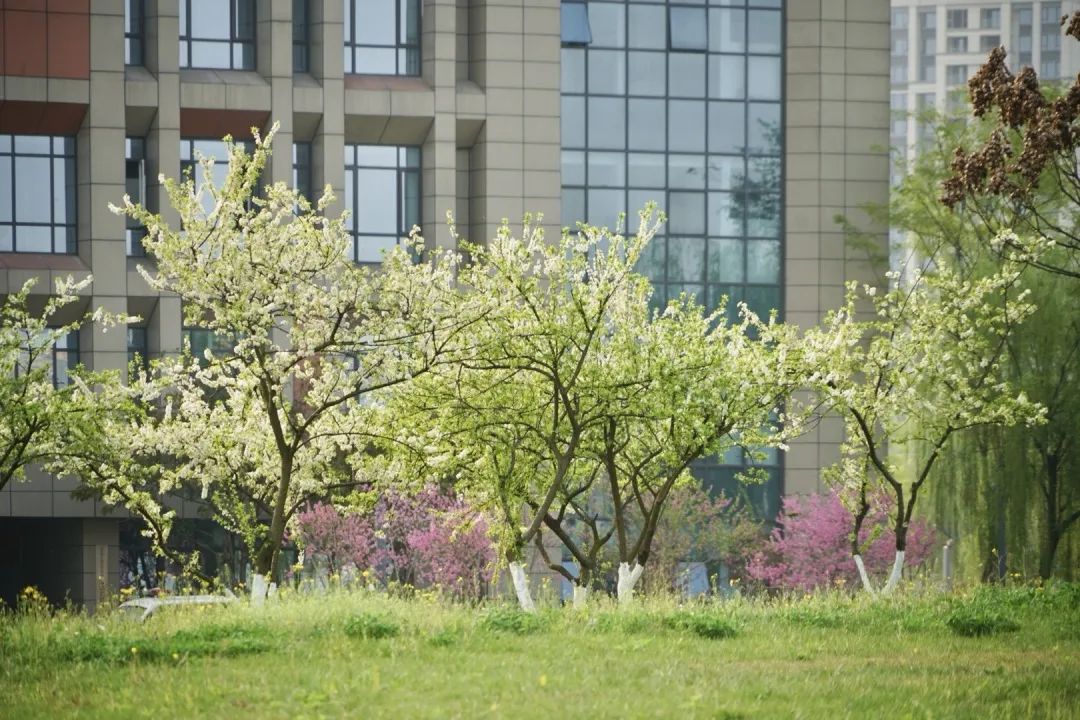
(982, 654)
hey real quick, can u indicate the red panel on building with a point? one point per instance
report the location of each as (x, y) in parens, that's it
(202, 123)
(37, 118)
(45, 39)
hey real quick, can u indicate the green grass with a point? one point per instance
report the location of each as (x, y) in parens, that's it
(366, 655)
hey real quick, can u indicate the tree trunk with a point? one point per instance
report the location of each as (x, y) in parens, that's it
(628, 578)
(894, 576)
(1046, 557)
(258, 589)
(267, 560)
(867, 585)
(521, 586)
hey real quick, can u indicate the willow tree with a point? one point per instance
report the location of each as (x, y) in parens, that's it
(263, 423)
(929, 365)
(1012, 492)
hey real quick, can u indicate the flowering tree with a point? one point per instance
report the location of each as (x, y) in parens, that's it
(339, 538)
(509, 422)
(262, 424)
(685, 385)
(1033, 144)
(431, 539)
(811, 545)
(927, 367)
(47, 412)
(699, 527)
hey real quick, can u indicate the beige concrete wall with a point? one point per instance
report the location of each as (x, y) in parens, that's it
(837, 115)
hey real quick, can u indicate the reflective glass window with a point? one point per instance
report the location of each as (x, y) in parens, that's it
(382, 37)
(217, 34)
(382, 195)
(37, 194)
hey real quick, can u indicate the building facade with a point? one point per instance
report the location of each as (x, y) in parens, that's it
(753, 123)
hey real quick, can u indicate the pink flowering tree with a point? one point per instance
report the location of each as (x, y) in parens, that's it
(811, 546)
(429, 539)
(426, 539)
(338, 538)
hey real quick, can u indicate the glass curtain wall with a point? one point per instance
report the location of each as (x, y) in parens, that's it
(681, 103)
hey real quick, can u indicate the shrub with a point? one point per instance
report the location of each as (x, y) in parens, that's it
(706, 625)
(698, 526)
(977, 620)
(429, 539)
(510, 619)
(371, 627)
(811, 546)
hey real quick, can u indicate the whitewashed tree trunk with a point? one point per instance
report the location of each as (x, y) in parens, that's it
(867, 585)
(581, 595)
(628, 578)
(894, 576)
(258, 589)
(521, 586)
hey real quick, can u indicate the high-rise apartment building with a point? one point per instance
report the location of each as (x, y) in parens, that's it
(753, 123)
(936, 45)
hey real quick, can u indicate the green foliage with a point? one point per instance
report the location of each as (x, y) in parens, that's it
(211, 640)
(368, 626)
(39, 421)
(510, 619)
(978, 619)
(704, 624)
(648, 660)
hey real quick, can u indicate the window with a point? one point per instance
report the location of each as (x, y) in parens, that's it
(1051, 14)
(202, 339)
(133, 32)
(37, 194)
(927, 45)
(59, 360)
(1051, 40)
(956, 19)
(382, 195)
(217, 34)
(575, 23)
(1050, 68)
(898, 47)
(1022, 33)
(990, 18)
(956, 74)
(136, 347)
(989, 42)
(957, 44)
(190, 152)
(135, 187)
(300, 35)
(382, 37)
(301, 168)
(687, 28)
(898, 112)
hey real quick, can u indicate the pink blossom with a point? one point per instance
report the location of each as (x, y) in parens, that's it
(811, 546)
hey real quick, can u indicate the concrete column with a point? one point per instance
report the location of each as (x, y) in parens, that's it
(328, 147)
(836, 160)
(515, 161)
(439, 153)
(100, 159)
(274, 56)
